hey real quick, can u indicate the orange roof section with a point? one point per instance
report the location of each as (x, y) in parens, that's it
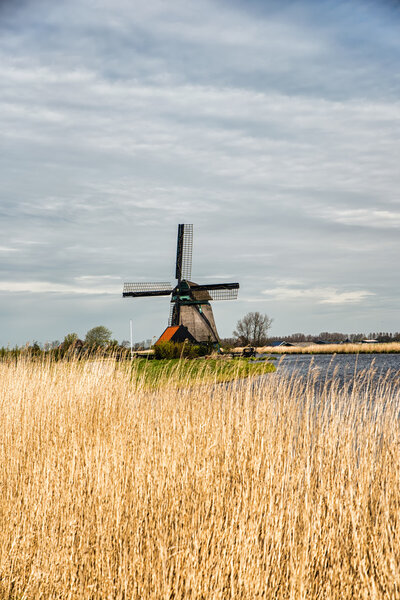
(168, 334)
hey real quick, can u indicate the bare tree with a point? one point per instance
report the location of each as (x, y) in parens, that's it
(252, 329)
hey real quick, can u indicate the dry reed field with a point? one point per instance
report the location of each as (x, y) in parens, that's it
(386, 348)
(257, 489)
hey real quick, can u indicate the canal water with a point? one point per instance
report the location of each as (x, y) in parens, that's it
(342, 367)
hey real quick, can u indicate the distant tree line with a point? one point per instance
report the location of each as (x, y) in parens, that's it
(142, 345)
(252, 330)
(326, 336)
(98, 339)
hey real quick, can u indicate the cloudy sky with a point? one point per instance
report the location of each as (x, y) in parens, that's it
(273, 127)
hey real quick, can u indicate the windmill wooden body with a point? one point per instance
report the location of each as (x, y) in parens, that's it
(190, 302)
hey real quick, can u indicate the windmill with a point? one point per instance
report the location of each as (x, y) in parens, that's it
(190, 302)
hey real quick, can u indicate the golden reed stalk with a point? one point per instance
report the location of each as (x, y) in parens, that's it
(258, 489)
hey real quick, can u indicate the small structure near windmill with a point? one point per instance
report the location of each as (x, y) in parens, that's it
(176, 333)
(190, 302)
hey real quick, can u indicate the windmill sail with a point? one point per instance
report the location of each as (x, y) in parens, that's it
(147, 289)
(216, 286)
(184, 249)
(190, 302)
(215, 291)
(223, 294)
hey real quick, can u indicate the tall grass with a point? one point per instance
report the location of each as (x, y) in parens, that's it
(257, 489)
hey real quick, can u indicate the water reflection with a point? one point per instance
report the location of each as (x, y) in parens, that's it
(343, 369)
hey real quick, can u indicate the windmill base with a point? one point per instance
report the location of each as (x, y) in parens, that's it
(201, 325)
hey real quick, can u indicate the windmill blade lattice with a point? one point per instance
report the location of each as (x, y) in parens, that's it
(224, 294)
(215, 291)
(171, 312)
(184, 252)
(163, 288)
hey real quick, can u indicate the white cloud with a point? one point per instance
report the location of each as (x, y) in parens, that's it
(319, 295)
(362, 217)
(251, 137)
(121, 119)
(6, 249)
(47, 287)
(95, 278)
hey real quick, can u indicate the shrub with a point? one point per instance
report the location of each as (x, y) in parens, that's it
(164, 350)
(168, 350)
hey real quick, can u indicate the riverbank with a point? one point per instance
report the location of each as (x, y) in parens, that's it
(388, 348)
(156, 373)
